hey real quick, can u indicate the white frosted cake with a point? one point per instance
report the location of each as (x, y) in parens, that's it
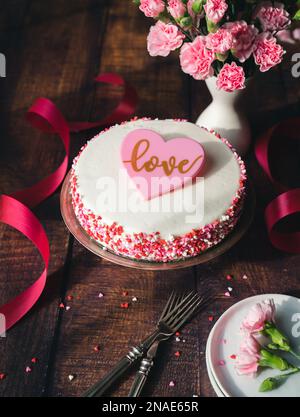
(175, 225)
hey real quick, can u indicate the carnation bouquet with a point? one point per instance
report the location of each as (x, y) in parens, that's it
(229, 39)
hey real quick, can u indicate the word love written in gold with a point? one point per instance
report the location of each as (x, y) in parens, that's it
(140, 150)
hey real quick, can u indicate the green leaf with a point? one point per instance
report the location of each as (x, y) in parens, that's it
(269, 360)
(268, 385)
(197, 6)
(297, 15)
(186, 22)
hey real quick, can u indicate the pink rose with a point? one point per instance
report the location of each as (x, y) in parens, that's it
(267, 53)
(272, 18)
(243, 38)
(219, 42)
(231, 78)
(176, 8)
(215, 10)
(152, 8)
(258, 315)
(248, 357)
(196, 59)
(164, 38)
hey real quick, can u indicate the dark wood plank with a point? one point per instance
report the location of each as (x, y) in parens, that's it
(268, 270)
(43, 59)
(92, 321)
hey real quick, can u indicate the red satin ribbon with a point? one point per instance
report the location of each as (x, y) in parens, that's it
(14, 210)
(288, 202)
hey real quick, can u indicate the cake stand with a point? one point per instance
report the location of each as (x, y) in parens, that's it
(79, 233)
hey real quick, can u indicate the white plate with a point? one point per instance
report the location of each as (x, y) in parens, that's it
(225, 338)
(213, 382)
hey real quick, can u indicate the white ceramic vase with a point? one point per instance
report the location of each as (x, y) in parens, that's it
(226, 117)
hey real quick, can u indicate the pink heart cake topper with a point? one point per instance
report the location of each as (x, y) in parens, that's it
(157, 166)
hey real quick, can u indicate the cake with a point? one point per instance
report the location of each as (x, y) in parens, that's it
(144, 229)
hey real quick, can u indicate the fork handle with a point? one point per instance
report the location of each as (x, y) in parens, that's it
(119, 369)
(141, 378)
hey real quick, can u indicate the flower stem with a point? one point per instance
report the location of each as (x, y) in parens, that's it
(294, 354)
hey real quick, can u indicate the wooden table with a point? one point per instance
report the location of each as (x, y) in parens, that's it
(54, 49)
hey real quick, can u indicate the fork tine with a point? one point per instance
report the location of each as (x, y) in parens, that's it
(187, 316)
(180, 307)
(168, 306)
(181, 314)
(202, 300)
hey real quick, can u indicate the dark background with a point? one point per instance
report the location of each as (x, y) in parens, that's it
(54, 48)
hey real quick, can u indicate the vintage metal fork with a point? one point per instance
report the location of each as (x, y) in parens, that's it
(177, 311)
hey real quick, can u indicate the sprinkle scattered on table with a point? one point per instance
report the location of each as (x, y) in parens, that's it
(2, 376)
(28, 369)
(96, 348)
(61, 305)
(221, 362)
(227, 294)
(69, 297)
(177, 354)
(230, 289)
(71, 377)
(245, 276)
(177, 339)
(125, 293)
(229, 277)
(100, 295)
(172, 384)
(68, 308)
(124, 305)
(134, 299)
(232, 356)
(210, 318)
(177, 334)
(34, 360)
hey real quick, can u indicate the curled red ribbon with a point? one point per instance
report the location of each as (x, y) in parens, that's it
(14, 209)
(288, 202)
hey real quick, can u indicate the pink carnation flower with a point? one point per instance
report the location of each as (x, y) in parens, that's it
(243, 38)
(196, 59)
(248, 357)
(267, 53)
(272, 18)
(176, 8)
(215, 10)
(219, 42)
(164, 38)
(258, 315)
(231, 78)
(152, 8)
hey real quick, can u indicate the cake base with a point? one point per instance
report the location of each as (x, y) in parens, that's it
(79, 233)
